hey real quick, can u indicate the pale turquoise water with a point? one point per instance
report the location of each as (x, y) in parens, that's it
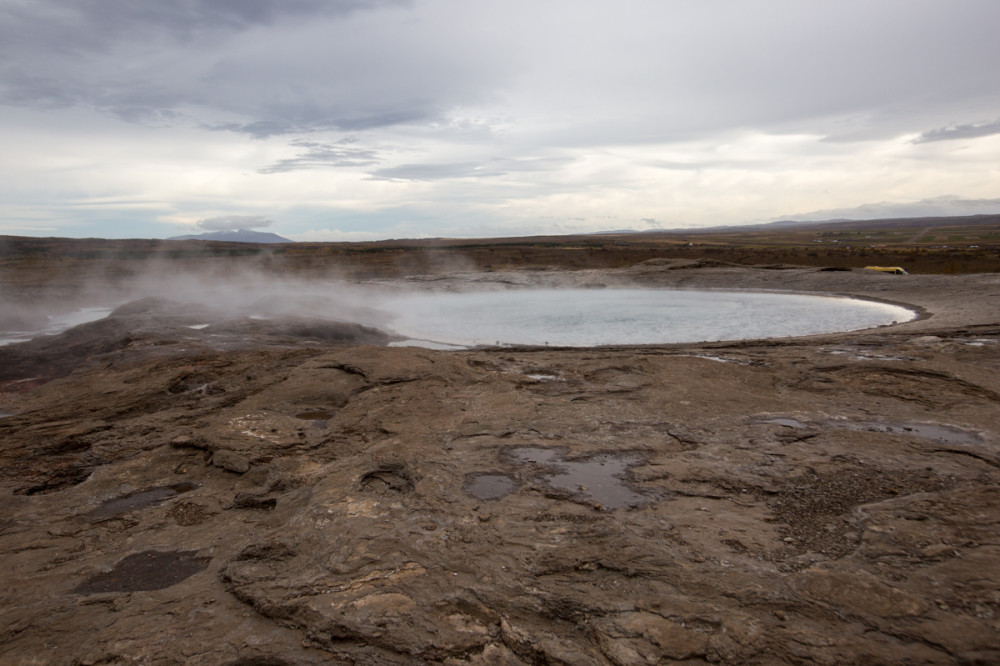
(588, 317)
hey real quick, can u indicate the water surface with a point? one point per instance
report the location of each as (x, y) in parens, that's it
(588, 317)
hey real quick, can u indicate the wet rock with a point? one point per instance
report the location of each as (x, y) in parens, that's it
(149, 570)
(252, 502)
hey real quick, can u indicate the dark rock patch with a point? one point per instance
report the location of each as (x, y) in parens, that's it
(139, 500)
(251, 502)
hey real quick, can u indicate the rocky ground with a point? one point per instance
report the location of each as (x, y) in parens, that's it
(296, 492)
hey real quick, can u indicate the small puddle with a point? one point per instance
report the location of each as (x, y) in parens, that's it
(601, 478)
(788, 423)
(318, 418)
(139, 500)
(940, 433)
(315, 415)
(149, 570)
(490, 486)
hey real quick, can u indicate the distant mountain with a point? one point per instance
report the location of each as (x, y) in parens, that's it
(239, 236)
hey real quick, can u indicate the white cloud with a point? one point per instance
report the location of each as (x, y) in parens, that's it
(431, 118)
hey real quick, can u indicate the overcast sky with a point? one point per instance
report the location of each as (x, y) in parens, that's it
(366, 119)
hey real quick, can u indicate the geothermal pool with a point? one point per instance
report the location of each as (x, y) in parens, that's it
(590, 317)
(558, 317)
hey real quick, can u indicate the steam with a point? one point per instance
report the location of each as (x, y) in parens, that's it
(223, 291)
(221, 288)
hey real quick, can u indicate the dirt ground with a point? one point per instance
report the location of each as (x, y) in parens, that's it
(300, 493)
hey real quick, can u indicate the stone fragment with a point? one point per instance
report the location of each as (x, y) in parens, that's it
(231, 461)
(188, 442)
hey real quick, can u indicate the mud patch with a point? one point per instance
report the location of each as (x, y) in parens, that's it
(149, 570)
(598, 480)
(139, 500)
(490, 486)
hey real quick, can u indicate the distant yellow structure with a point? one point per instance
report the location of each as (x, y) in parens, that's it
(895, 270)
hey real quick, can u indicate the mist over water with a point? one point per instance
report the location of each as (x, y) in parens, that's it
(522, 316)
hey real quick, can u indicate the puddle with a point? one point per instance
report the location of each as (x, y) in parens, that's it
(490, 486)
(315, 415)
(543, 378)
(940, 433)
(788, 423)
(139, 500)
(198, 327)
(600, 479)
(149, 570)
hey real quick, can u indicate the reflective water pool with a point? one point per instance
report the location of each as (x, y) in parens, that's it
(587, 317)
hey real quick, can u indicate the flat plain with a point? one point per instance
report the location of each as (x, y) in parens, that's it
(183, 484)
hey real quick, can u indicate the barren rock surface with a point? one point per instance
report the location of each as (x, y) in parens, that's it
(300, 494)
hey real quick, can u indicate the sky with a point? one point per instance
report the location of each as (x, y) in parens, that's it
(372, 119)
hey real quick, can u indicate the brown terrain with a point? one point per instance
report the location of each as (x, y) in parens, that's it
(294, 491)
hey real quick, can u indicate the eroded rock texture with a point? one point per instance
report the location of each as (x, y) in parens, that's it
(824, 500)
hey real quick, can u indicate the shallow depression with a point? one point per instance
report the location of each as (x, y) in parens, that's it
(935, 431)
(599, 478)
(588, 317)
(139, 500)
(490, 486)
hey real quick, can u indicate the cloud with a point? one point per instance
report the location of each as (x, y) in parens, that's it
(475, 113)
(322, 155)
(234, 222)
(488, 169)
(970, 131)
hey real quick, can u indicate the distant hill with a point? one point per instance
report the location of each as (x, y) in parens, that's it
(240, 236)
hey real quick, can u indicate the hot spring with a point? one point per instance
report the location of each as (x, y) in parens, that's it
(591, 317)
(557, 317)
